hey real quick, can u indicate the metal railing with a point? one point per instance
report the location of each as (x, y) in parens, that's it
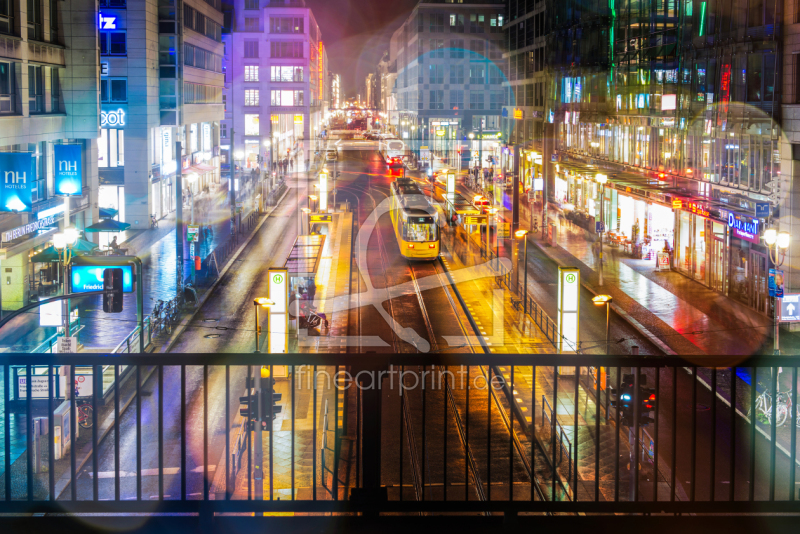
(182, 409)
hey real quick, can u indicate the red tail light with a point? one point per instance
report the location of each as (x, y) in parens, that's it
(411, 245)
(432, 245)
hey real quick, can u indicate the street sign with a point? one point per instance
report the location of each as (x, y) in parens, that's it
(192, 233)
(599, 227)
(474, 219)
(776, 283)
(790, 308)
(50, 314)
(278, 334)
(762, 210)
(451, 183)
(569, 283)
(67, 345)
(325, 218)
(505, 231)
(323, 192)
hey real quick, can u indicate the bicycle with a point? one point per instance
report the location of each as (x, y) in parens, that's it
(764, 407)
(84, 414)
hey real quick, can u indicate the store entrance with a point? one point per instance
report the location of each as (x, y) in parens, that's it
(718, 269)
(758, 281)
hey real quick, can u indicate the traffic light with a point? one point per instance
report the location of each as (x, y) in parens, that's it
(253, 399)
(112, 284)
(647, 398)
(624, 400)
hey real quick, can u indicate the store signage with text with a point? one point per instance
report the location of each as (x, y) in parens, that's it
(519, 114)
(746, 229)
(68, 169)
(35, 226)
(699, 209)
(19, 179)
(112, 118)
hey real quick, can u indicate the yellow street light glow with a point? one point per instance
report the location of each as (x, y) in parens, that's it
(305, 210)
(600, 300)
(601, 178)
(783, 239)
(263, 302)
(770, 236)
(519, 234)
(312, 197)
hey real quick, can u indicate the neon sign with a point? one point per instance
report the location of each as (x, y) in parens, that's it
(519, 114)
(112, 118)
(319, 70)
(746, 229)
(725, 91)
(698, 209)
(107, 23)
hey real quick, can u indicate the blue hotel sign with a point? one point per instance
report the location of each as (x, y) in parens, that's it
(87, 278)
(19, 179)
(68, 169)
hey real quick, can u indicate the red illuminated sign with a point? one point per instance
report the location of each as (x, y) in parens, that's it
(319, 69)
(725, 92)
(677, 204)
(699, 209)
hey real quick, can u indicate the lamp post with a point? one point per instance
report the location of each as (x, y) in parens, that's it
(602, 179)
(63, 243)
(312, 202)
(471, 136)
(606, 300)
(493, 213)
(268, 144)
(307, 224)
(261, 303)
(777, 243)
(522, 234)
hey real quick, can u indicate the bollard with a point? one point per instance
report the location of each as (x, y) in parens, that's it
(39, 429)
(634, 350)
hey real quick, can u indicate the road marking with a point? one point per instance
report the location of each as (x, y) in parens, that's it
(151, 472)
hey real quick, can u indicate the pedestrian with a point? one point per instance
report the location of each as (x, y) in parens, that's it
(210, 231)
(291, 164)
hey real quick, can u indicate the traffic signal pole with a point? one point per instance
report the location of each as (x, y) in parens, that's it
(258, 453)
(634, 437)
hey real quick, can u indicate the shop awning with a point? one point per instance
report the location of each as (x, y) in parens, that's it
(578, 168)
(305, 255)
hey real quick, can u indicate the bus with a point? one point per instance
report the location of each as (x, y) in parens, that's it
(415, 221)
(391, 149)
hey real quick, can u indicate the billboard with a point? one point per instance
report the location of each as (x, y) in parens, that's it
(19, 179)
(86, 278)
(68, 169)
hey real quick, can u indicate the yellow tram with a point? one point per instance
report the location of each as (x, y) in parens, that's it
(415, 221)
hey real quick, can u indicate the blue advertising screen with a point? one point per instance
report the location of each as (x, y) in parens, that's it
(68, 170)
(87, 278)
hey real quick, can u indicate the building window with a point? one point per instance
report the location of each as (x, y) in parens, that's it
(251, 97)
(251, 49)
(53, 20)
(286, 98)
(113, 44)
(496, 100)
(286, 25)
(456, 23)
(195, 93)
(457, 74)
(476, 23)
(436, 73)
(456, 48)
(251, 4)
(476, 46)
(456, 99)
(7, 16)
(437, 48)
(437, 22)
(477, 74)
(201, 59)
(35, 20)
(251, 73)
(495, 74)
(36, 89)
(55, 90)
(114, 90)
(420, 100)
(420, 23)
(251, 125)
(476, 100)
(7, 85)
(251, 24)
(111, 148)
(223, 130)
(496, 24)
(286, 49)
(286, 73)
(437, 99)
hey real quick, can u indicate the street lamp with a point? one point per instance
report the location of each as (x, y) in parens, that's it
(192, 177)
(777, 243)
(606, 300)
(307, 213)
(493, 213)
(63, 243)
(312, 198)
(262, 303)
(602, 179)
(520, 234)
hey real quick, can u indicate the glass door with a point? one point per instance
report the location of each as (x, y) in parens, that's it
(758, 281)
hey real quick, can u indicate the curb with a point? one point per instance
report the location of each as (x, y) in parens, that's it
(185, 321)
(619, 311)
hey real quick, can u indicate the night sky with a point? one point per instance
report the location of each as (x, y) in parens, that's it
(356, 33)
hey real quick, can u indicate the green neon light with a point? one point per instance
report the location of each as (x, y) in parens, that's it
(702, 19)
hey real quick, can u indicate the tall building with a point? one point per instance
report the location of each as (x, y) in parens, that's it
(161, 82)
(449, 66)
(276, 73)
(335, 82)
(679, 104)
(49, 81)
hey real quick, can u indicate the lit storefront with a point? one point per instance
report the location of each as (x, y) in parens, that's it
(749, 262)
